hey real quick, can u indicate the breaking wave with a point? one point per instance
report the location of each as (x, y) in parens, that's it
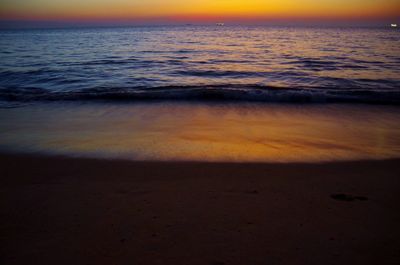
(252, 93)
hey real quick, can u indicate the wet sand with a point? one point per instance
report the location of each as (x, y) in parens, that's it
(57, 210)
(199, 131)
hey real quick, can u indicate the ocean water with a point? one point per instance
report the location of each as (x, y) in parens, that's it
(254, 94)
(267, 64)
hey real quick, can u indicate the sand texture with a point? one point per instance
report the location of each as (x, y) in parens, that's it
(56, 210)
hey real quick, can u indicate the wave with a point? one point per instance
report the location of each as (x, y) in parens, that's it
(251, 93)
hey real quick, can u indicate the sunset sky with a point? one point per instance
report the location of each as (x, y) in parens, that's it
(198, 10)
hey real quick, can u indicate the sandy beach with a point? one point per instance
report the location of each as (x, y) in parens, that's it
(199, 132)
(58, 210)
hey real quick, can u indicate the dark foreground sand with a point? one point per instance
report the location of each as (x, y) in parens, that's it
(84, 211)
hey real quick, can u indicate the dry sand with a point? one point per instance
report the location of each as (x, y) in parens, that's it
(57, 210)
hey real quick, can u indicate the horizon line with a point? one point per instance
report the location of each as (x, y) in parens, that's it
(168, 21)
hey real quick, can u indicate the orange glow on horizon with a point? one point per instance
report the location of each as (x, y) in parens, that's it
(198, 10)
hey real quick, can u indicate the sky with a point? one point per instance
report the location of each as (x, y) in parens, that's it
(179, 11)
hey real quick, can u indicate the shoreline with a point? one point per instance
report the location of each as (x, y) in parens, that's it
(39, 155)
(202, 132)
(60, 210)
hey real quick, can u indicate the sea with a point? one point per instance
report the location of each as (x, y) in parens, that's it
(202, 93)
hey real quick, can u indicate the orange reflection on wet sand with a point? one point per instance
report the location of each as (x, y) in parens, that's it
(206, 132)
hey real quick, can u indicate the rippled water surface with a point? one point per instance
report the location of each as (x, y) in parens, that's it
(232, 62)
